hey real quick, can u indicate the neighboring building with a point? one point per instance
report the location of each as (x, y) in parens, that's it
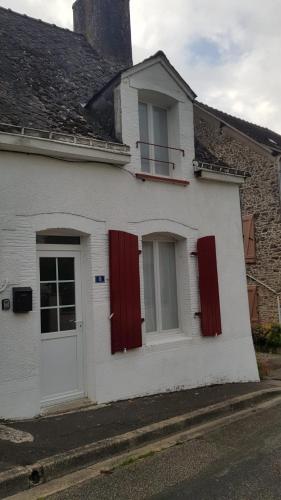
(135, 264)
(256, 150)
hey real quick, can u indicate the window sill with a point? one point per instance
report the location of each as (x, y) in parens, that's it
(159, 178)
(171, 341)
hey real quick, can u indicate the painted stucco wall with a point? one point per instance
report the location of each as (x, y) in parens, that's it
(260, 196)
(39, 193)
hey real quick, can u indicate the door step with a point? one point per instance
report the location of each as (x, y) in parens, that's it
(68, 407)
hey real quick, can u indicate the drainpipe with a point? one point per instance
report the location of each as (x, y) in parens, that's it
(272, 291)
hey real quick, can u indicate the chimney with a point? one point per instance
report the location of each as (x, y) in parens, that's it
(106, 25)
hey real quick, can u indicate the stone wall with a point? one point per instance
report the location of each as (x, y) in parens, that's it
(260, 196)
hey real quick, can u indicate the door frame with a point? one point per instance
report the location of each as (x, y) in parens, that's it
(57, 251)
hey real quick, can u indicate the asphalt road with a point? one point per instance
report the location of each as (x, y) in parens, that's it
(241, 461)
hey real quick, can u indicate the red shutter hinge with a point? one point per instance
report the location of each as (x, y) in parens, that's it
(194, 254)
(198, 314)
(140, 252)
(142, 320)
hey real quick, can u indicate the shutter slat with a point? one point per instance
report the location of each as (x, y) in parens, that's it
(249, 238)
(134, 311)
(116, 340)
(123, 286)
(253, 303)
(124, 291)
(209, 287)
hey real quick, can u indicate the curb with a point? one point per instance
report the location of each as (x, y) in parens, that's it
(23, 478)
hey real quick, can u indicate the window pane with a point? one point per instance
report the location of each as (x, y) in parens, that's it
(48, 294)
(144, 136)
(66, 268)
(67, 319)
(57, 240)
(67, 294)
(160, 125)
(49, 320)
(149, 287)
(168, 286)
(48, 269)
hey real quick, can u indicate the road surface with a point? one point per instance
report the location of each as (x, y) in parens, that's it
(241, 461)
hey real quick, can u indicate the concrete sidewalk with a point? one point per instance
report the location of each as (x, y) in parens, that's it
(60, 433)
(271, 363)
(36, 451)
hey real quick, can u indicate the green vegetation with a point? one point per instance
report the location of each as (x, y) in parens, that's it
(267, 337)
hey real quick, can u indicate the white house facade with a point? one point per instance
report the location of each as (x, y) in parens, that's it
(121, 262)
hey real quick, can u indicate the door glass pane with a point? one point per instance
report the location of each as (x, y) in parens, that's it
(48, 294)
(48, 269)
(144, 136)
(160, 126)
(168, 286)
(149, 287)
(49, 320)
(67, 294)
(67, 319)
(66, 268)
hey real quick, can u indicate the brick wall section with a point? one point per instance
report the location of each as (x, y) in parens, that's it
(260, 196)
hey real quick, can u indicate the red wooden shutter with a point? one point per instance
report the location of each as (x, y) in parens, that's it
(209, 287)
(253, 303)
(249, 239)
(124, 291)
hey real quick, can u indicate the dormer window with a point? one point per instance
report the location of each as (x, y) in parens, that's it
(153, 123)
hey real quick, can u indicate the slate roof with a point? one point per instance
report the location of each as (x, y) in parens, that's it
(202, 154)
(47, 75)
(262, 135)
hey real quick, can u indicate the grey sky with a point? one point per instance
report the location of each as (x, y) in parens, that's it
(227, 50)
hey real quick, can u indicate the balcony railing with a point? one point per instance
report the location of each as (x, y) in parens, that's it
(160, 146)
(159, 161)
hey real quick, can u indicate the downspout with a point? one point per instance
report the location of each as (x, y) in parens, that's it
(270, 290)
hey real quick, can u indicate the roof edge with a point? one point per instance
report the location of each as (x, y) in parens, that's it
(260, 144)
(160, 55)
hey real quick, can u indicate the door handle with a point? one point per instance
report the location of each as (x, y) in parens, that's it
(77, 322)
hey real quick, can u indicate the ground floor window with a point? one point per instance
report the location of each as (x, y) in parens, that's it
(160, 286)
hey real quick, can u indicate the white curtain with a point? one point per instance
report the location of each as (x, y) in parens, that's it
(149, 287)
(144, 136)
(168, 286)
(161, 137)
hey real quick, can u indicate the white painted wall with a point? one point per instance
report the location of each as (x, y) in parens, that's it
(39, 193)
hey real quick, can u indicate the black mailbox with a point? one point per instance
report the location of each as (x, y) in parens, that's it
(22, 300)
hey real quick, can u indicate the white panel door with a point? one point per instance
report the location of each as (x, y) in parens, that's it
(61, 377)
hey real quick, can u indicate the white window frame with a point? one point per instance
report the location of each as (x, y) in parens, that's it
(151, 139)
(159, 333)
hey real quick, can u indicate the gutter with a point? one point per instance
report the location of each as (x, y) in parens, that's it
(62, 146)
(209, 171)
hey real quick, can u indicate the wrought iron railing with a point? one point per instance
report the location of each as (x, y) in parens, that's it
(160, 146)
